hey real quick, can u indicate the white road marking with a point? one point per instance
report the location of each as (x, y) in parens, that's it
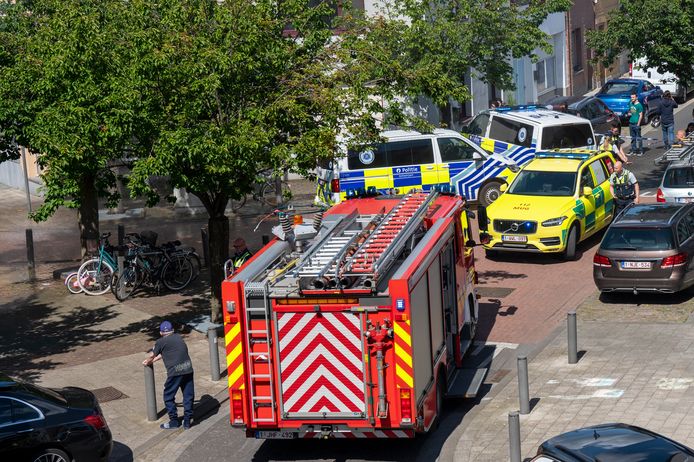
(674, 383)
(647, 194)
(596, 382)
(605, 393)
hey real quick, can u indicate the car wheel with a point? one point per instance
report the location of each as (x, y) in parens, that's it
(491, 253)
(655, 121)
(51, 455)
(489, 193)
(571, 240)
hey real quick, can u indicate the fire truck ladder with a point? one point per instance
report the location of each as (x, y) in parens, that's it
(252, 291)
(322, 257)
(380, 249)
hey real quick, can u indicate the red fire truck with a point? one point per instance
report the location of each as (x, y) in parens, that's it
(355, 325)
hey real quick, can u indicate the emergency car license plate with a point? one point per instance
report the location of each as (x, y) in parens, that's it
(636, 265)
(685, 199)
(512, 238)
(275, 435)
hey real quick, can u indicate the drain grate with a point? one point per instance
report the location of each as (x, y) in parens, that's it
(494, 292)
(497, 376)
(108, 394)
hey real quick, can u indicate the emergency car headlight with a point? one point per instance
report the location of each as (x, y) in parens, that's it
(554, 221)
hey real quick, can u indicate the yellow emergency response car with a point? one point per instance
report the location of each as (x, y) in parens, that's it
(557, 200)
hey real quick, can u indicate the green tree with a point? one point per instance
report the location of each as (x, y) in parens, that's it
(659, 30)
(61, 96)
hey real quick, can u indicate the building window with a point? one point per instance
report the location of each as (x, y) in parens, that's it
(545, 74)
(577, 49)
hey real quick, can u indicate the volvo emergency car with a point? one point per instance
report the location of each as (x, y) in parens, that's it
(557, 200)
(410, 159)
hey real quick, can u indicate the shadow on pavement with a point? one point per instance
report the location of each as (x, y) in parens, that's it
(643, 298)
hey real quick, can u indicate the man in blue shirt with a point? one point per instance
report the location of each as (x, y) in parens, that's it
(635, 118)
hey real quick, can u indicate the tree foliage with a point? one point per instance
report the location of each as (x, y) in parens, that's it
(661, 31)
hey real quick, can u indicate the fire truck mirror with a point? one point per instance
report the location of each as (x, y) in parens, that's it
(470, 243)
(482, 220)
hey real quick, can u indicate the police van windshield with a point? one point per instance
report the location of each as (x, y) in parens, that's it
(392, 153)
(539, 183)
(567, 136)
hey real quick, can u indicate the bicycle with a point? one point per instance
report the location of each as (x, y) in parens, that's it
(94, 275)
(72, 284)
(165, 266)
(264, 191)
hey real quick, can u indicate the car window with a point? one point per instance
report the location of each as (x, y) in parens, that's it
(608, 164)
(455, 149)
(586, 179)
(392, 153)
(5, 411)
(690, 219)
(567, 136)
(511, 131)
(617, 88)
(478, 125)
(683, 231)
(641, 238)
(22, 412)
(600, 107)
(647, 86)
(540, 183)
(679, 177)
(589, 111)
(598, 169)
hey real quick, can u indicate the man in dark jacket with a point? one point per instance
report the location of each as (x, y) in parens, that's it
(667, 119)
(179, 374)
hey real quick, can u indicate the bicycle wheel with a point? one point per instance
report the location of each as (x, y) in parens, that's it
(269, 193)
(177, 272)
(94, 277)
(72, 285)
(236, 205)
(126, 283)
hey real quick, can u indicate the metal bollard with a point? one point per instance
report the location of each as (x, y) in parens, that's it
(30, 249)
(150, 394)
(214, 353)
(573, 337)
(205, 245)
(523, 390)
(120, 257)
(514, 441)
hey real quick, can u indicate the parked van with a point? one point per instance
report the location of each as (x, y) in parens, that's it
(410, 159)
(666, 81)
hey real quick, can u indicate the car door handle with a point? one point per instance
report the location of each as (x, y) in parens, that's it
(429, 167)
(444, 166)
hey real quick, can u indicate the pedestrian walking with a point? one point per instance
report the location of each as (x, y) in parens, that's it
(241, 253)
(179, 374)
(613, 143)
(624, 187)
(635, 119)
(667, 119)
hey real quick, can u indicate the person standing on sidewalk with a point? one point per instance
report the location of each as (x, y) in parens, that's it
(614, 142)
(635, 118)
(667, 119)
(624, 187)
(179, 374)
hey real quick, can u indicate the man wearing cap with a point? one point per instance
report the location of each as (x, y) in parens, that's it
(179, 374)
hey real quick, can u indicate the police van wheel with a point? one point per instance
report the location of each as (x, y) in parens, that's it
(570, 251)
(489, 193)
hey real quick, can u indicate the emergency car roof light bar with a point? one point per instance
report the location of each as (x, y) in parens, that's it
(521, 107)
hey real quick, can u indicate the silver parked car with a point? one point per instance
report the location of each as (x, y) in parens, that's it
(677, 184)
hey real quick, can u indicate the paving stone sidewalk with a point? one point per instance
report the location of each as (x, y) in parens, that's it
(639, 373)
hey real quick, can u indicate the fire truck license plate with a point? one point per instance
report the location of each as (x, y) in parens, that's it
(507, 238)
(275, 435)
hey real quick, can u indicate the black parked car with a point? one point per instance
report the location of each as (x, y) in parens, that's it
(612, 442)
(588, 107)
(51, 425)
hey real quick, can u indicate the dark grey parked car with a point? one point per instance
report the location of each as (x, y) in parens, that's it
(588, 107)
(647, 248)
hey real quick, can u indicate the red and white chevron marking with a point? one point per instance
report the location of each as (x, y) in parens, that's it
(321, 363)
(365, 434)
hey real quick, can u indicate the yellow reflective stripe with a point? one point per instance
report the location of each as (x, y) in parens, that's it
(234, 354)
(376, 172)
(405, 377)
(232, 333)
(402, 354)
(402, 334)
(234, 376)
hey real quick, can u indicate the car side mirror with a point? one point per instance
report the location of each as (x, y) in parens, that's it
(470, 243)
(503, 187)
(477, 156)
(587, 190)
(482, 218)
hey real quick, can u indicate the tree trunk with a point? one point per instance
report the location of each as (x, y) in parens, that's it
(218, 226)
(88, 216)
